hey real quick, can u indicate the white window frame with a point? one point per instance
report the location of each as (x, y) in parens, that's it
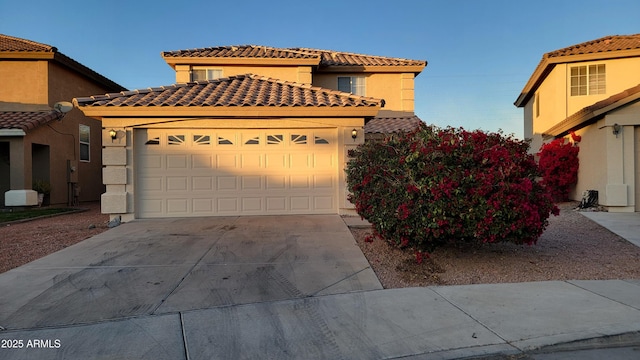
(589, 80)
(209, 73)
(356, 84)
(84, 141)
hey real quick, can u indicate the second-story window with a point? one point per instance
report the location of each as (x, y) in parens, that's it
(588, 80)
(202, 73)
(351, 84)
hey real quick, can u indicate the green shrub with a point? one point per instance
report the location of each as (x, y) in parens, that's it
(439, 186)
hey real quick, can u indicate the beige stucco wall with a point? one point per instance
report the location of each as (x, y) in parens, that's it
(608, 162)
(24, 81)
(397, 89)
(119, 159)
(556, 104)
(298, 74)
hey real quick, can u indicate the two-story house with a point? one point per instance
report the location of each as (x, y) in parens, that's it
(592, 88)
(247, 130)
(36, 142)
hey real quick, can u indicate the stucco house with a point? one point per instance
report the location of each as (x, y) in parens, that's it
(38, 142)
(247, 130)
(592, 88)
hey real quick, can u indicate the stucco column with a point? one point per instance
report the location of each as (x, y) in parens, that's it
(114, 172)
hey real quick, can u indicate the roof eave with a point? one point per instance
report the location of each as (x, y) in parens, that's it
(229, 111)
(197, 60)
(416, 69)
(27, 55)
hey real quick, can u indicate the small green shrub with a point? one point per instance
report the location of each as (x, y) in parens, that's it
(439, 186)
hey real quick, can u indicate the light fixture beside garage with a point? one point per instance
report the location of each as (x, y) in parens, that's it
(113, 134)
(354, 134)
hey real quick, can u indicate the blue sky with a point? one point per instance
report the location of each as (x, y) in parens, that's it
(480, 53)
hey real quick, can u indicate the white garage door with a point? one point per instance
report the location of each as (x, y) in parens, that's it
(187, 172)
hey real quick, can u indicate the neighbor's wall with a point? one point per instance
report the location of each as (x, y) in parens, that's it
(24, 81)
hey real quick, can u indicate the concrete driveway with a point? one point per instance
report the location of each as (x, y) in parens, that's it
(152, 267)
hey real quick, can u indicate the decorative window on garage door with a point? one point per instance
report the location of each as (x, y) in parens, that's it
(175, 140)
(224, 141)
(299, 139)
(275, 139)
(201, 140)
(321, 141)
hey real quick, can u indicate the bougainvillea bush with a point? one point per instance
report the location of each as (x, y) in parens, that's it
(558, 161)
(438, 186)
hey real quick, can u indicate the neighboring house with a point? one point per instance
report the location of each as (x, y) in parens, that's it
(247, 130)
(38, 142)
(592, 88)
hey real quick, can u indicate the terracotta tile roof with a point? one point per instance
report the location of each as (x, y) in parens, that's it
(241, 90)
(241, 51)
(585, 115)
(324, 57)
(605, 44)
(10, 43)
(26, 120)
(339, 58)
(388, 125)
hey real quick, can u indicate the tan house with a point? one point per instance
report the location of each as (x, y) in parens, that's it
(592, 88)
(38, 142)
(247, 130)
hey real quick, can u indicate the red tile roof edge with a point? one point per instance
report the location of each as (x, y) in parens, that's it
(26, 120)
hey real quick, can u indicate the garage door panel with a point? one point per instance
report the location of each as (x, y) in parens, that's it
(252, 182)
(151, 162)
(276, 182)
(202, 183)
(203, 206)
(253, 204)
(151, 183)
(300, 203)
(228, 205)
(251, 161)
(177, 161)
(276, 204)
(226, 183)
(177, 183)
(202, 161)
(177, 206)
(323, 181)
(207, 172)
(227, 161)
(275, 161)
(300, 182)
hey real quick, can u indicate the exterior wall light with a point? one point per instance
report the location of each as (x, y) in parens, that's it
(354, 134)
(113, 134)
(616, 129)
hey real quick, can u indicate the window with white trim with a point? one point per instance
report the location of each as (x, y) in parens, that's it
(85, 142)
(203, 73)
(588, 80)
(352, 84)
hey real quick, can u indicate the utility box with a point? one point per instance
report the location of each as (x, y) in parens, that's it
(20, 198)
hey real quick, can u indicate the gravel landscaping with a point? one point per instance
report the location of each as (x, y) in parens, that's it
(573, 247)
